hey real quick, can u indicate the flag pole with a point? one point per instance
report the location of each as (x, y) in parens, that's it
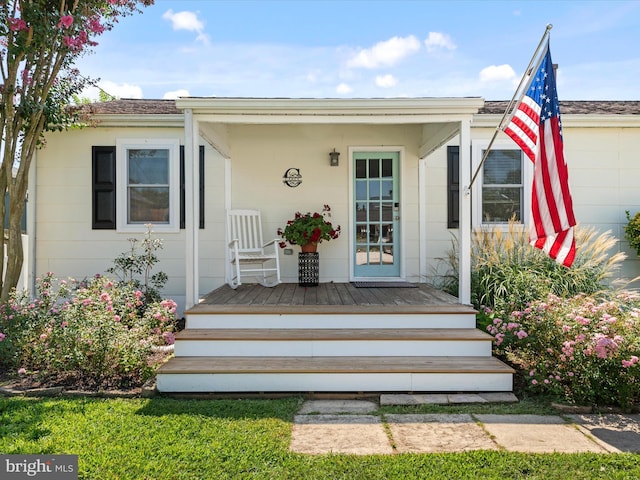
(519, 93)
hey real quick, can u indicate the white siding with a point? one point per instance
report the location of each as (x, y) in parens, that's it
(65, 241)
(603, 169)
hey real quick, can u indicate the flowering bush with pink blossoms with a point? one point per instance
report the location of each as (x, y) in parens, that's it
(92, 334)
(583, 349)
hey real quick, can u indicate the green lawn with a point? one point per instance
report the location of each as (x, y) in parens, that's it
(162, 438)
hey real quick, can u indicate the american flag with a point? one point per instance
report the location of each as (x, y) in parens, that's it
(535, 126)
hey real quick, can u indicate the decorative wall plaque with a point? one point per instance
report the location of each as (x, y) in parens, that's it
(292, 177)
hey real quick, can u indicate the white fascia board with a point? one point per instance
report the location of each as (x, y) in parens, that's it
(310, 108)
(138, 120)
(374, 119)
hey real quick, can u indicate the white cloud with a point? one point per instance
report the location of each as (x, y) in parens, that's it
(386, 81)
(120, 90)
(175, 94)
(344, 89)
(439, 41)
(385, 53)
(186, 20)
(494, 73)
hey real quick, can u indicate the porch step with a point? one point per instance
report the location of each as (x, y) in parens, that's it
(333, 374)
(282, 334)
(239, 365)
(298, 318)
(329, 342)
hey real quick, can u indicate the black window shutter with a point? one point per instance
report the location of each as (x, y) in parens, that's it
(453, 187)
(183, 190)
(103, 189)
(201, 186)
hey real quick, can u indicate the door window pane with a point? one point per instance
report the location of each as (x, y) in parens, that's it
(387, 255)
(387, 189)
(387, 167)
(387, 212)
(361, 190)
(374, 168)
(374, 190)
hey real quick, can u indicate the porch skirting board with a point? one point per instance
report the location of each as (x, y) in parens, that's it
(294, 383)
(333, 382)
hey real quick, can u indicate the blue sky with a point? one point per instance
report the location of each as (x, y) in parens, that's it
(367, 49)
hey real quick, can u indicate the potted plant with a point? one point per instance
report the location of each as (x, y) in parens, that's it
(309, 229)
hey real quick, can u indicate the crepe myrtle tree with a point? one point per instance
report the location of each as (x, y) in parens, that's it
(39, 42)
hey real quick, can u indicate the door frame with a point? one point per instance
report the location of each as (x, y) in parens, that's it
(352, 221)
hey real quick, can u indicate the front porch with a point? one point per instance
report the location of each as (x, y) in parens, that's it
(335, 337)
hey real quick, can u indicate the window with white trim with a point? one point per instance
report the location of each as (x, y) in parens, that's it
(503, 187)
(148, 173)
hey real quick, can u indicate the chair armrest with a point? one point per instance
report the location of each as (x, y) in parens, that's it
(275, 243)
(232, 242)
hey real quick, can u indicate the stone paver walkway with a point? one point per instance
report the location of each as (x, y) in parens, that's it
(350, 427)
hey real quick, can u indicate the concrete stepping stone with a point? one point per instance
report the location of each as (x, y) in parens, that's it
(499, 397)
(537, 434)
(414, 399)
(446, 399)
(616, 433)
(428, 433)
(348, 434)
(337, 406)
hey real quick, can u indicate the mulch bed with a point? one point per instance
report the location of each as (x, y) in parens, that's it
(69, 385)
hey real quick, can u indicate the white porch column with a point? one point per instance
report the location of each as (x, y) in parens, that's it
(464, 231)
(422, 196)
(192, 207)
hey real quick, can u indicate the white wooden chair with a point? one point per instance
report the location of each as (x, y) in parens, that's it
(249, 256)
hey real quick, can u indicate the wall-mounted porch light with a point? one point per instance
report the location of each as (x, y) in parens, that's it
(334, 158)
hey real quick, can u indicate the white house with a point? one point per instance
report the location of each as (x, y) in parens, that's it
(412, 157)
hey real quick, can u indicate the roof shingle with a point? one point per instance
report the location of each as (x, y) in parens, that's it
(130, 106)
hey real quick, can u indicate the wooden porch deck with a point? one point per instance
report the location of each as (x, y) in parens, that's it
(329, 298)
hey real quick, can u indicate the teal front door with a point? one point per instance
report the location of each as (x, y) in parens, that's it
(376, 241)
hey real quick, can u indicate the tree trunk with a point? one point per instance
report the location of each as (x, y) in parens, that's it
(15, 255)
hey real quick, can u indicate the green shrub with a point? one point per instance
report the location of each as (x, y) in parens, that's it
(92, 334)
(632, 231)
(507, 273)
(134, 267)
(510, 284)
(581, 349)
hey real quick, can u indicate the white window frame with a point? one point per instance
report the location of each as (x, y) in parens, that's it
(122, 208)
(477, 148)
